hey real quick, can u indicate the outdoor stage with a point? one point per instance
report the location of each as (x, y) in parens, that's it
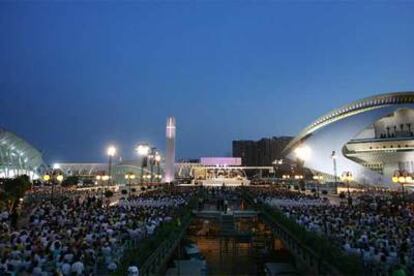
(221, 181)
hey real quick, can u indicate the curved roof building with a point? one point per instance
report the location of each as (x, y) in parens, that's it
(371, 138)
(18, 157)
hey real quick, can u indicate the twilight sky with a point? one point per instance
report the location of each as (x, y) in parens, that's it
(75, 77)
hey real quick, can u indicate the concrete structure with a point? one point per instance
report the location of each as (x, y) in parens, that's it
(169, 175)
(371, 138)
(18, 157)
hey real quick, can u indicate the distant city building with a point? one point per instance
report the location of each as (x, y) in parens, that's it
(18, 157)
(262, 152)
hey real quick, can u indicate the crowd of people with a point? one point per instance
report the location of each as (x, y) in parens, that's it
(377, 227)
(80, 233)
(284, 197)
(76, 231)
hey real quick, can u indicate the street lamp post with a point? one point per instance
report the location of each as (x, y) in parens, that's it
(157, 161)
(143, 151)
(347, 178)
(105, 179)
(129, 177)
(298, 176)
(59, 179)
(46, 178)
(299, 179)
(286, 177)
(402, 178)
(151, 158)
(111, 151)
(98, 181)
(333, 156)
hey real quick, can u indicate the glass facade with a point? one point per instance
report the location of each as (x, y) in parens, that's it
(17, 157)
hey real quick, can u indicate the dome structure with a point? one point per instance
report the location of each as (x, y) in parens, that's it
(371, 138)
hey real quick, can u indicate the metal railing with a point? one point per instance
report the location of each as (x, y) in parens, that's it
(157, 261)
(311, 259)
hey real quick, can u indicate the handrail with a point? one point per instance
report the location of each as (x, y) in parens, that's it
(326, 263)
(140, 255)
(157, 260)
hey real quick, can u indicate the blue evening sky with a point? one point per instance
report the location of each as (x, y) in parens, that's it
(77, 76)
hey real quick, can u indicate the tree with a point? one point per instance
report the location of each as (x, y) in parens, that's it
(14, 189)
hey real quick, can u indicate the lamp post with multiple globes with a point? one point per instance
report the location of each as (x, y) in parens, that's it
(299, 180)
(48, 179)
(157, 159)
(59, 179)
(347, 178)
(148, 155)
(129, 177)
(151, 158)
(286, 177)
(333, 156)
(298, 176)
(99, 183)
(143, 151)
(111, 152)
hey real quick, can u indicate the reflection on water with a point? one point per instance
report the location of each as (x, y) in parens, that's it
(227, 256)
(225, 244)
(243, 253)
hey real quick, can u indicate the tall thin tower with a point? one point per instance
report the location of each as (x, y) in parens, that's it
(170, 156)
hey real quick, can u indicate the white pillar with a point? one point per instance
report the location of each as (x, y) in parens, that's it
(169, 173)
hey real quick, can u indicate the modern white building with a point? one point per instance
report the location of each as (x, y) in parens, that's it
(371, 138)
(18, 157)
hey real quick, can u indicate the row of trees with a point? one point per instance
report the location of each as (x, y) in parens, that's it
(11, 191)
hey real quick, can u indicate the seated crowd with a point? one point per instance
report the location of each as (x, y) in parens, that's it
(377, 227)
(283, 197)
(77, 231)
